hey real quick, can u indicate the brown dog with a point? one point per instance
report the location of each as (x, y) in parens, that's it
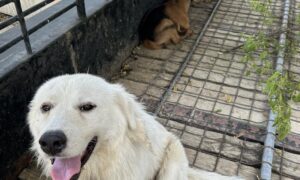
(169, 22)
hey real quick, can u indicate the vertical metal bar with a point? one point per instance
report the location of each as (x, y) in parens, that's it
(81, 9)
(267, 159)
(23, 26)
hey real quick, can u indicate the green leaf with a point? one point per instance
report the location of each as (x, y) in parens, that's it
(296, 98)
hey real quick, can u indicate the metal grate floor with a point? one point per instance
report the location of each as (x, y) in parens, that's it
(198, 90)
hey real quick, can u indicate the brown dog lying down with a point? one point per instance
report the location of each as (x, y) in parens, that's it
(168, 22)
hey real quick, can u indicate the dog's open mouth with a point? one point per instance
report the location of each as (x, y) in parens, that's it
(69, 168)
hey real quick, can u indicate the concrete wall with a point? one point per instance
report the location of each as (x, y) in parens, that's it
(97, 45)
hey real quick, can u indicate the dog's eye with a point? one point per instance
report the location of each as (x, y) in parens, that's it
(46, 107)
(86, 107)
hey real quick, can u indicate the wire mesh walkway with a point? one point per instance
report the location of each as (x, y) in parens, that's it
(199, 91)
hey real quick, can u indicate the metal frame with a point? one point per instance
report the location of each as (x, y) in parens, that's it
(21, 15)
(267, 159)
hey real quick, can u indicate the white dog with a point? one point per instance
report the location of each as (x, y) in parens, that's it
(86, 127)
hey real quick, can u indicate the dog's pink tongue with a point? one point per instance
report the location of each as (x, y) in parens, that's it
(64, 169)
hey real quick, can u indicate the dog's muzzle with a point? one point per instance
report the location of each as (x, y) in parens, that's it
(69, 168)
(53, 142)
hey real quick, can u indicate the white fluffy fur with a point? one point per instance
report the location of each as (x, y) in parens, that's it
(131, 144)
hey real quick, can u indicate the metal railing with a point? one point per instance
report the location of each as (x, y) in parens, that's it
(80, 4)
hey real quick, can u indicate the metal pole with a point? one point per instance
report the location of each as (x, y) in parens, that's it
(23, 26)
(267, 159)
(81, 9)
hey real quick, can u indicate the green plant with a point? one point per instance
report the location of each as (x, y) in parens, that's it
(298, 18)
(280, 90)
(257, 54)
(264, 8)
(279, 86)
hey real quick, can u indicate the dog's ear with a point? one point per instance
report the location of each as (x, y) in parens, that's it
(128, 106)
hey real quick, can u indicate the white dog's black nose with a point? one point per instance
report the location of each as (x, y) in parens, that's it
(53, 142)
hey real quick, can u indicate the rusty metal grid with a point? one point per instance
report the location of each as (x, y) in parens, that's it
(215, 95)
(219, 113)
